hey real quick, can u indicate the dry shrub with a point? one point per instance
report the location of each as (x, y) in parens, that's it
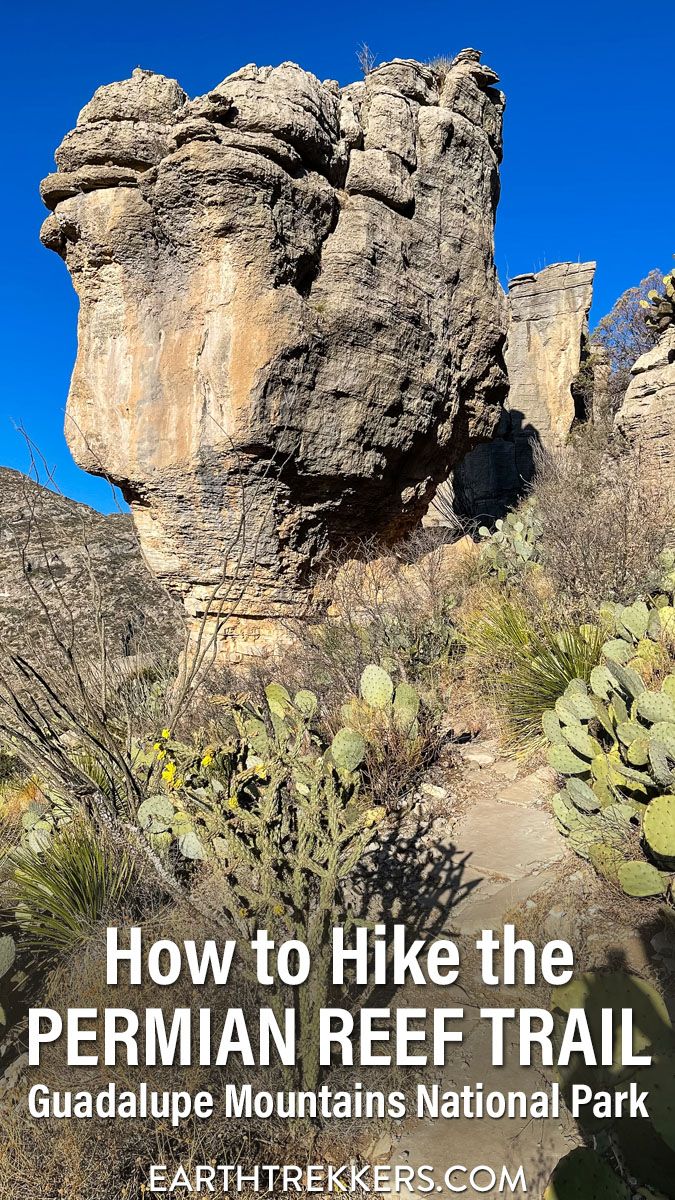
(396, 610)
(604, 524)
(102, 1159)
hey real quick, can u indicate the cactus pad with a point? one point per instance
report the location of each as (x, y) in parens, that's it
(606, 860)
(278, 699)
(377, 688)
(658, 828)
(550, 723)
(155, 814)
(601, 682)
(347, 749)
(582, 796)
(638, 752)
(655, 706)
(633, 620)
(566, 762)
(580, 741)
(618, 650)
(406, 707)
(306, 703)
(627, 679)
(659, 763)
(584, 1175)
(640, 879)
(628, 731)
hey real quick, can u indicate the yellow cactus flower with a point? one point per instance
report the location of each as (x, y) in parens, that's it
(233, 803)
(207, 759)
(372, 816)
(169, 772)
(166, 733)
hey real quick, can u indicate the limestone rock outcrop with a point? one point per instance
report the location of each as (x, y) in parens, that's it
(548, 326)
(647, 416)
(290, 324)
(546, 345)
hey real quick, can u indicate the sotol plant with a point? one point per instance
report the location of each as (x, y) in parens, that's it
(61, 890)
(528, 663)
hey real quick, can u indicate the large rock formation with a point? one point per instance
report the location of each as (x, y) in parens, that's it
(546, 346)
(70, 572)
(647, 415)
(290, 324)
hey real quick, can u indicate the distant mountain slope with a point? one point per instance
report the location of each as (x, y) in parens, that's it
(55, 556)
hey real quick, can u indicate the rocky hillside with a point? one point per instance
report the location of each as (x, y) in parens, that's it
(56, 555)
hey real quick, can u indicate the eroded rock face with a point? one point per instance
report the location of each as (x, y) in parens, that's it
(646, 415)
(548, 323)
(546, 344)
(290, 325)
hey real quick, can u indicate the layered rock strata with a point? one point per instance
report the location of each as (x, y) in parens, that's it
(70, 573)
(290, 324)
(646, 415)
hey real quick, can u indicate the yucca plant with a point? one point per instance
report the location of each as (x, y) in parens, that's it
(529, 661)
(63, 891)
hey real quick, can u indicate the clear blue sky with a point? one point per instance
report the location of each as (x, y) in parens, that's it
(589, 170)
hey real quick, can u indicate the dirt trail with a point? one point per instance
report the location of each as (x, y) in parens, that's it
(511, 859)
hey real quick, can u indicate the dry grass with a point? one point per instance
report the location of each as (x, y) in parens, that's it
(604, 525)
(109, 1160)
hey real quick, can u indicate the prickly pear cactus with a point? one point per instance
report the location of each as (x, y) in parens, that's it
(640, 879)
(377, 688)
(381, 709)
(348, 749)
(659, 307)
(614, 744)
(584, 1175)
(406, 707)
(513, 544)
(658, 829)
